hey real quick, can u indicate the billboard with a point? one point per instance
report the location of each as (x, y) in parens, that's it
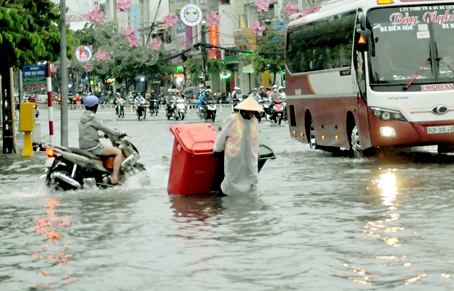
(245, 39)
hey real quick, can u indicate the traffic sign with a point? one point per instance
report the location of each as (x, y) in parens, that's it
(34, 76)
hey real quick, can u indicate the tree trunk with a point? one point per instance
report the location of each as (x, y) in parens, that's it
(9, 128)
(274, 78)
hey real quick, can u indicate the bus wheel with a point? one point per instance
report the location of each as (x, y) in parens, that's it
(312, 140)
(357, 150)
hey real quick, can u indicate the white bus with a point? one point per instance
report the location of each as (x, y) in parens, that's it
(363, 74)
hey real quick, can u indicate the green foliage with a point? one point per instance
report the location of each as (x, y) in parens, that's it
(29, 34)
(194, 67)
(270, 43)
(215, 66)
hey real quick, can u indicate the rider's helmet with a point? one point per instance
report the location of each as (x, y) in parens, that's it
(254, 90)
(281, 88)
(274, 88)
(91, 101)
(237, 89)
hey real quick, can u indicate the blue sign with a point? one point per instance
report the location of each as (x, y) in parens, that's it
(34, 76)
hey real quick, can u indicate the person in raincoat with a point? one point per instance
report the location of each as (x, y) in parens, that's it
(240, 142)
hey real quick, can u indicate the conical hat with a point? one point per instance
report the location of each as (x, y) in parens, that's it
(249, 104)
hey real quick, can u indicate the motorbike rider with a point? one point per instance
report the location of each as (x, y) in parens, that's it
(236, 94)
(263, 91)
(89, 126)
(138, 102)
(254, 94)
(282, 92)
(119, 101)
(274, 95)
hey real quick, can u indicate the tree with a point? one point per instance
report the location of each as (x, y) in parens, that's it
(194, 67)
(28, 36)
(268, 56)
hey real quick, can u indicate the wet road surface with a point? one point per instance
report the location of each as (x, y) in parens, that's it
(319, 222)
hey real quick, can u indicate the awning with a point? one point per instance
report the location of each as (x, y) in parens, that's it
(248, 69)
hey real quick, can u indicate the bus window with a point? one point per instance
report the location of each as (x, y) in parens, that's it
(394, 62)
(322, 44)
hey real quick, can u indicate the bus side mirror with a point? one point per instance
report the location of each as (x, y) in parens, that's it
(361, 20)
(362, 39)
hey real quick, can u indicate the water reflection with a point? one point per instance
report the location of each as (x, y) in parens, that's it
(387, 185)
(53, 250)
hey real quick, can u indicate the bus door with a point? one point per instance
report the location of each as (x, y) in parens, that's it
(359, 62)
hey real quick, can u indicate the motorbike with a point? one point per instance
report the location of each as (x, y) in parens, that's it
(180, 111)
(142, 111)
(207, 111)
(121, 111)
(154, 107)
(74, 168)
(277, 112)
(236, 99)
(170, 110)
(36, 111)
(264, 102)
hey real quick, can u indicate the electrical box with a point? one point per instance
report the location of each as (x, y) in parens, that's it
(27, 116)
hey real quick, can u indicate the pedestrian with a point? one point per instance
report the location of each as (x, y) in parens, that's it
(89, 126)
(240, 143)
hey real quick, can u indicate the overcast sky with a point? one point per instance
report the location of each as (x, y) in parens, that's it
(79, 6)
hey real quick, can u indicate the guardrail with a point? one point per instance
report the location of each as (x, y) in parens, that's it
(220, 107)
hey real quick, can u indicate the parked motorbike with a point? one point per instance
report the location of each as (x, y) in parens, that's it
(154, 107)
(180, 111)
(170, 110)
(277, 112)
(74, 168)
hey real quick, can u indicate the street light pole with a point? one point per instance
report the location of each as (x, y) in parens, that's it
(64, 76)
(204, 52)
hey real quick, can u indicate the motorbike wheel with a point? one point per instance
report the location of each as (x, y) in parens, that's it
(57, 184)
(140, 167)
(156, 111)
(213, 117)
(182, 116)
(280, 119)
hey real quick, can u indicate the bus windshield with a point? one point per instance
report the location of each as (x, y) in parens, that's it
(412, 43)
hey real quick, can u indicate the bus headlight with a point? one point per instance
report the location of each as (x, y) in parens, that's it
(387, 131)
(388, 114)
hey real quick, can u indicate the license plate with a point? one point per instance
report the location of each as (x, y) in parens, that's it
(440, 129)
(49, 162)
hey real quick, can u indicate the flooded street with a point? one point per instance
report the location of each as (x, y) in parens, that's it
(319, 222)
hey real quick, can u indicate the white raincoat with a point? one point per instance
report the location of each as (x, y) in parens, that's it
(239, 140)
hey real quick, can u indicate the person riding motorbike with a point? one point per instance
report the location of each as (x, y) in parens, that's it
(274, 95)
(119, 101)
(282, 92)
(89, 126)
(263, 91)
(254, 94)
(138, 102)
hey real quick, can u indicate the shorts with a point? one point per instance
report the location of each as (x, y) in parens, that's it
(98, 150)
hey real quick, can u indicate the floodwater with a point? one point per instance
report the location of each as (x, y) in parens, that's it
(319, 222)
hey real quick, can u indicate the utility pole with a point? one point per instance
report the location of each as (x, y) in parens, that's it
(64, 76)
(204, 52)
